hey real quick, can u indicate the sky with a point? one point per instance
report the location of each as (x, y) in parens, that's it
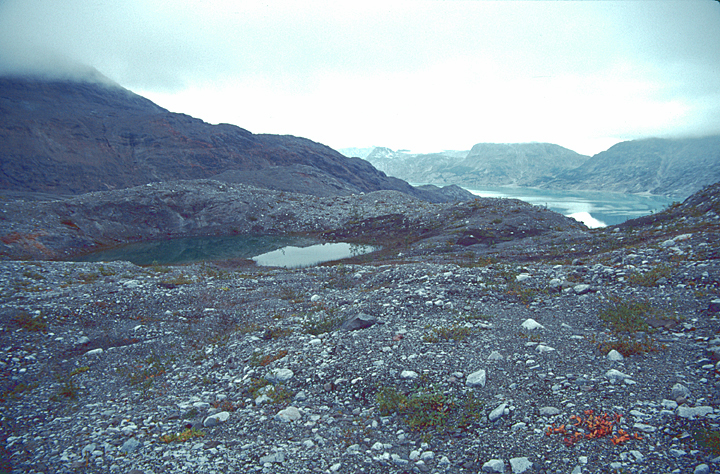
(420, 75)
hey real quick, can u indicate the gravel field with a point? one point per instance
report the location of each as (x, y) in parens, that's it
(488, 336)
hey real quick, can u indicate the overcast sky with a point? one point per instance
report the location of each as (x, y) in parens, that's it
(425, 76)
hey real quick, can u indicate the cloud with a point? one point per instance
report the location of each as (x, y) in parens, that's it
(420, 74)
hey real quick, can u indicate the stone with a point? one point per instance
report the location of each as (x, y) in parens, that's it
(615, 355)
(497, 413)
(408, 374)
(494, 465)
(288, 414)
(216, 419)
(495, 355)
(581, 289)
(531, 325)
(522, 277)
(520, 465)
(549, 411)
(359, 321)
(693, 412)
(476, 379)
(543, 348)
(714, 306)
(644, 428)
(615, 375)
(702, 469)
(280, 375)
(278, 457)
(679, 391)
(130, 445)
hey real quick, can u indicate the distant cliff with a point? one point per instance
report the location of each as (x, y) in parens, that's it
(68, 138)
(486, 164)
(672, 167)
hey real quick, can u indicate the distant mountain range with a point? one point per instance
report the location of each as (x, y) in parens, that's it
(68, 138)
(670, 167)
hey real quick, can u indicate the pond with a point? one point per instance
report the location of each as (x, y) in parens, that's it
(295, 257)
(265, 250)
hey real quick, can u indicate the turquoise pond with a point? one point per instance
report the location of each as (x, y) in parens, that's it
(279, 251)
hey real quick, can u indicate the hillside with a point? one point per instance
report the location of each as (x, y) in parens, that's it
(672, 167)
(68, 138)
(486, 164)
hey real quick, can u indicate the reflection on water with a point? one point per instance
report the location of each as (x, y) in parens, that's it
(593, 208)
(195, 249)
(295, 257)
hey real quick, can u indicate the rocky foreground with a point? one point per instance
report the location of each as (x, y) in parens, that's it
(488, 336)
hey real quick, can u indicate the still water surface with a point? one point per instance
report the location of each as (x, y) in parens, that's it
(279, 251)
(593, 208)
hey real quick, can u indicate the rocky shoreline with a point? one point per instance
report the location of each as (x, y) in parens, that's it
(486, 336)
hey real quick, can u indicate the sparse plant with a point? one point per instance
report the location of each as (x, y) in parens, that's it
(627, 316)
(29, 322)
(321, 326)
(456, 332)
(651, 277)
(708, 439)
(178, 280)
(186, 435)
(430, 409)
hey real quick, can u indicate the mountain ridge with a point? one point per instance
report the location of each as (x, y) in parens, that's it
(658, 166)
(69, 138)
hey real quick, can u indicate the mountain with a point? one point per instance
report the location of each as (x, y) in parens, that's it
(486, 164)
(672, 167)
(74, 137)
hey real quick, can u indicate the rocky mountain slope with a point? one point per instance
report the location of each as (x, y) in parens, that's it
(486, 164)
(68, 138)
(487, 336)
(672, 167)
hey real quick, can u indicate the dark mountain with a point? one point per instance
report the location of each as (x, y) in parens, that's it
(486, 164)
(67, 138)
(672, 167)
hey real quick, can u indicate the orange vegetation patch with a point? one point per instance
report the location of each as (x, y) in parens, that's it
(592, 426)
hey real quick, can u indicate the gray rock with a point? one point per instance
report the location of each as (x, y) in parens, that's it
(615, 375)
(359, 321)
(714, 307)
(494, 465)
(530, 324)
(679, 391)
(644, 428)
(581, 289)
(520, 465)
(693, 412)
(278, 457)
(495, 355)
(701, 469)
(476, 379)
(289, 414)
(549, 411)
(280, 375)
(130, 445)
(216, 419)
(615, 355)
(408, 374)
(497, 413)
